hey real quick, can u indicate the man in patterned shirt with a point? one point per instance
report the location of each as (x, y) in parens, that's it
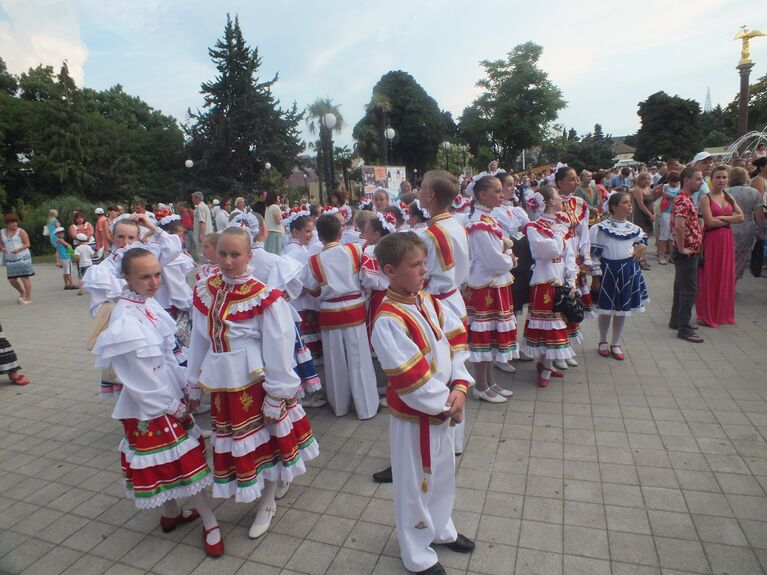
(688, 239)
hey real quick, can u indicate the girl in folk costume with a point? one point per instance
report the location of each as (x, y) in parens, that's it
(381, 199)
(617, 248)
(242, 352)
(283, 274)
(104, 281)
(489, 305)
(350, 234)
(512, 220)
(210, 267)
(162, 453)
(373, 281)
(333, 277)
(545, 329)
(575, 213)
(301, 233)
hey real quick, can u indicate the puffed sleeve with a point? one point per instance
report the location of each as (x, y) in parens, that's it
(286, 276)
(406, 368)
(544, 247)
(596, 251)
(167, 247)
(571, 268)
(278, 346)
(371, 276)
(135, 352)
(311, 284)
(174, 276)
(486, 248)
(102, 283)
(456, 335)
(199, 345)
(584, 241)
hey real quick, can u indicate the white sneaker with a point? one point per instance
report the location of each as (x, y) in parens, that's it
(262, 521)
(313, 401)
(505, 366)
(484, 396)
(282, 489)
(560, 364)
(501, 391)
(571, 362)
(525, 357)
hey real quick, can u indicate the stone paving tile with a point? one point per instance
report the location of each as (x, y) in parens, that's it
(655, 463)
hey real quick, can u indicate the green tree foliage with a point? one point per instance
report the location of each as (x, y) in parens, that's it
(56, 139)
(757, 107)
(517, 104)
(314, 115)
(670, 127)
(398, 100)
(241, 127)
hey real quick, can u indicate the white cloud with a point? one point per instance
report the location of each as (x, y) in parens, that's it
(44, 32)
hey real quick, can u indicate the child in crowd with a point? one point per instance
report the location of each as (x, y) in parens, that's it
(66, 251)
(381, 200)
(333, 277)
(242, 351)
(373, 281)
(84, 254)
(417, 217)
(162, 453)
(489, 303)
(301, 233)
(209, 267)
(422, 347)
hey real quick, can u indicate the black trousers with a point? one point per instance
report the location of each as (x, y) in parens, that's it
(685, 290)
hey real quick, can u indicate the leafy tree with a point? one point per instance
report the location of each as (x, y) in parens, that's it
(757, 107)
(517, 104)
(418, 123)
(39, 84)
(314, 123)
(241, 127)
(8, 82)
(670, 127)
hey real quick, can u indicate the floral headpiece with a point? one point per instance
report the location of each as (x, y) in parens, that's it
(535, 204)
(295, 213)
(329, 210)
(161, 212)
(248, 222)
(165, 220)
(365, 202)
(461, 202)
(605, 208)
(423, 211)
(388, 221)
(346, 212)
(401, 207)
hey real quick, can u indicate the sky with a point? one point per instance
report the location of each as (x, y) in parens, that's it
(605, 56)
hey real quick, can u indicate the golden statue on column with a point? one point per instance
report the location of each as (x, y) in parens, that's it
(745, 34)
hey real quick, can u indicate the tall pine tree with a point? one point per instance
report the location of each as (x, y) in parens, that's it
(241, 127)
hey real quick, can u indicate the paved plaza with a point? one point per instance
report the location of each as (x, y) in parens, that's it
(657, 464)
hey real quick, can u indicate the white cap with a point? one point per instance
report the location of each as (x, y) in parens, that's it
(99, 211)
(81, 237)
(59, 229)
(700, 156)
(216, 202)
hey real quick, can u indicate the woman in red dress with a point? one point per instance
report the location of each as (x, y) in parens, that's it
(715, 304)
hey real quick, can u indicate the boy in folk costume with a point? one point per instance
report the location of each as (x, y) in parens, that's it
(333, 277)
(422, 348)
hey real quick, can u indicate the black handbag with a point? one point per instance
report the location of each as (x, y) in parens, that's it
(757, 258)
(570, 307)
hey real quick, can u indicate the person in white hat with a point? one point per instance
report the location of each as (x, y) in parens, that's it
(101, 232)
(84, 255)
(702, 161)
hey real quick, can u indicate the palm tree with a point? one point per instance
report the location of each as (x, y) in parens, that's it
(314, 114)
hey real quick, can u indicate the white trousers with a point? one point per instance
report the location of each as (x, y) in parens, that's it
(458, 435)
(349, 373)
(422, 518)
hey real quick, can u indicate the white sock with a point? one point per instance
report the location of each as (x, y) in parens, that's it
(603, 322)
(170, 509)
(208, 518)
(267, 495)
(619, 322)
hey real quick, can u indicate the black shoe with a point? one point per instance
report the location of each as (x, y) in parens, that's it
(384, 477)
(462, 544)
(692, 327)
(436, 569)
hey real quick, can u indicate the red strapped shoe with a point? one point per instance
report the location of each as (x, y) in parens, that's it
(168, 524)
(554, 372)
(616, 354)
(542, 382)
(217, 549)
(603, 352)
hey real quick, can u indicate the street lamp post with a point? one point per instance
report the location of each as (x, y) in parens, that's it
(464, 149)
(389, 133)
(306, 187)
(446, 147)
(415, 176)
(329, 122)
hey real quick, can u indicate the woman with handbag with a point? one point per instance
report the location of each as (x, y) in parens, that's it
(546, 336)
(617, 249)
